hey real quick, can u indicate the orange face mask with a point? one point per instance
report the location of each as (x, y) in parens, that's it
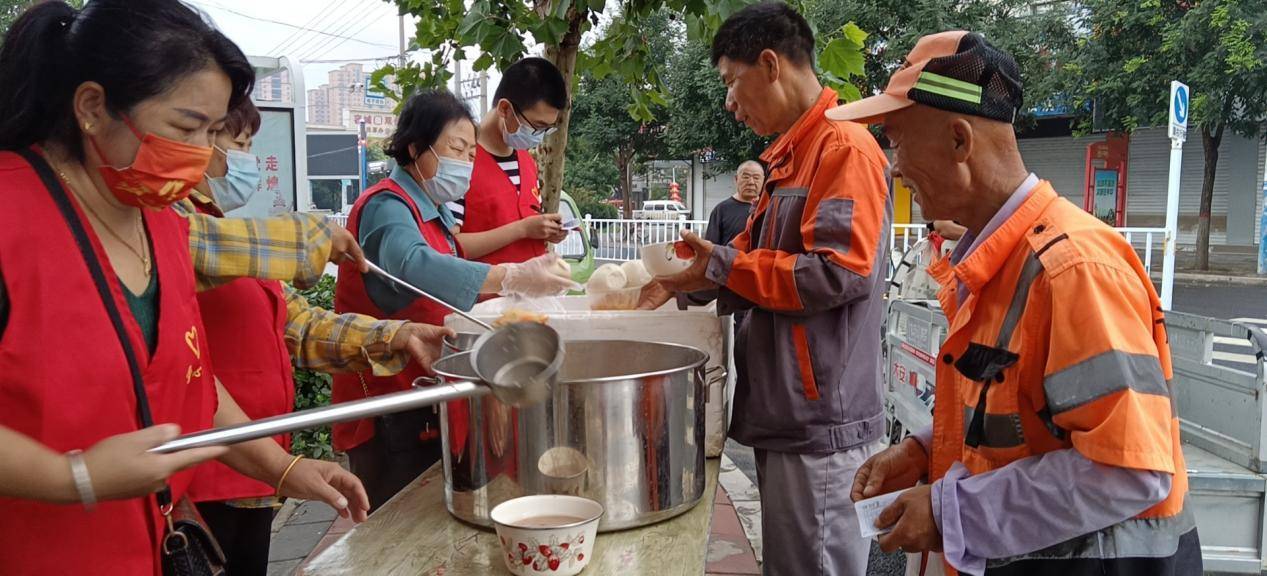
(163, 173)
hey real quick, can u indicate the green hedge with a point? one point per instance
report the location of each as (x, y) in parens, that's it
(312, 389)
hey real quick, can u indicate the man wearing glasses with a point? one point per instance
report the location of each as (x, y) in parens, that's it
(500, 220)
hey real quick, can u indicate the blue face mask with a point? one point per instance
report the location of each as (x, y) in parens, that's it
(452, 179)
(525, 138)
(240, 181)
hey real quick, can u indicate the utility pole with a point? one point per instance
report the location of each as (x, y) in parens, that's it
(402, 39)
(483, 93)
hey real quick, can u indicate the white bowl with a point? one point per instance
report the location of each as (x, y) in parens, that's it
(663, 260)
(561, 547)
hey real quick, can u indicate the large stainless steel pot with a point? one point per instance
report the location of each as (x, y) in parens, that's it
(624, 426)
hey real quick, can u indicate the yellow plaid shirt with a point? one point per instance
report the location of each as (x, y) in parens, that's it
(292, 248)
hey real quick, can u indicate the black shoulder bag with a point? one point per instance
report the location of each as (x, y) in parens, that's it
(189, 549)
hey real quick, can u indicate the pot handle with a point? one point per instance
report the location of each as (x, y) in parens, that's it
(709, 377)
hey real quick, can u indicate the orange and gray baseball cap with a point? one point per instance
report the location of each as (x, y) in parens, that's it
(954, 71)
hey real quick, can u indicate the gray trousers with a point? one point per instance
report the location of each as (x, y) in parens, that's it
(808, 524)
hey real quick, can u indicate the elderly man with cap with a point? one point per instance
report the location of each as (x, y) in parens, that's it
(809, 268)
(1055, 444)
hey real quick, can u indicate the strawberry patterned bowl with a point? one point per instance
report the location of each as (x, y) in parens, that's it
(547, 534)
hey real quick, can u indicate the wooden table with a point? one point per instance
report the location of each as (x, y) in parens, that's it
(414, 534)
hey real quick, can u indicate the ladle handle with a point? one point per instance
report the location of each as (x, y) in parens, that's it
(344, 412)
(419, 291)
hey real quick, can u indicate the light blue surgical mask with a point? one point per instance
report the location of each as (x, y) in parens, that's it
(452, 179)
(240, 180)
(525, 138)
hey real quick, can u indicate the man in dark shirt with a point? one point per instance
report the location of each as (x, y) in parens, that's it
(727, 220)
(730, 217)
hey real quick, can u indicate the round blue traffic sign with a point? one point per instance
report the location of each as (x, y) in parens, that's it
(1181, 105)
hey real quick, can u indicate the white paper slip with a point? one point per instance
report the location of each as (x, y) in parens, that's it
(868, 510)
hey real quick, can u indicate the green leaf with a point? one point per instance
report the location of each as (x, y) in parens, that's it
(658, 98)
(559, 9)
(848, 92)
(855, 34)
(842, 58)
(473, 20)
(505, 46)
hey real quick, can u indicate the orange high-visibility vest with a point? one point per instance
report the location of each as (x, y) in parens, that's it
(1060, 343)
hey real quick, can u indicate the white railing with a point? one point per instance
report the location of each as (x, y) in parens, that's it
(340, 219)
(1146, 241)
(619, 239)
(903, 236)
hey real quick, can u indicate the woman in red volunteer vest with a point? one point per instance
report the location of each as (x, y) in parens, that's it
(404, 226)
(500, 218)
(253, 329)
(106, 117)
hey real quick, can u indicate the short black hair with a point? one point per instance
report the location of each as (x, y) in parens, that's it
(765, 26)
(530, 81)
(423, 120)
(136, 50)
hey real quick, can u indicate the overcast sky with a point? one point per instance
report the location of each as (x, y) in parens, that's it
(320, 30)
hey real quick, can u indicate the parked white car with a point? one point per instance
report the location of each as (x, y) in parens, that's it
(662, 210)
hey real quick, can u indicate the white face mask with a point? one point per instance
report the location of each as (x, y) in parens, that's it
(240, 181)
(452, 179)
(525, 138)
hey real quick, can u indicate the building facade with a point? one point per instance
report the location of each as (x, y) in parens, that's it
(347, 89)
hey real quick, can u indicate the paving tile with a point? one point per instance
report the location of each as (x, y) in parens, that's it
(312, 512)
(295, 541)
(730, 555)
(739, 487)
(726, 521)
(284, 513)
(283, 568)
(750, 519)
(721, 548)
(722, 497)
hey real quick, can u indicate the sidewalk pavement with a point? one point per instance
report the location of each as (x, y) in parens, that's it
(303, 529)
(1214, 277)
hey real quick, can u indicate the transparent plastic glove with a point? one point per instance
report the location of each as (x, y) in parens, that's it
(540, 276)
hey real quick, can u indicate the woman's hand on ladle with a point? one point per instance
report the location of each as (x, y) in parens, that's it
(422, 341)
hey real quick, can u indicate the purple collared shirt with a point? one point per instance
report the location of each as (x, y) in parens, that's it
(1034, 502)
(970, 241)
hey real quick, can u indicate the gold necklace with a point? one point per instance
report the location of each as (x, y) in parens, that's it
(141, 254)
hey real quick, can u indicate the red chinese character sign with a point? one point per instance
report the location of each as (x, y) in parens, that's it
(274, 146)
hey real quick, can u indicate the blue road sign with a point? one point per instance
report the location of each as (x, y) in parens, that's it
(1181, 104)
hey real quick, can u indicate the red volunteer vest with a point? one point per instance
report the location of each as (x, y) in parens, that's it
(246, 332)
(350, 296)
(64, 379)
(493, 202)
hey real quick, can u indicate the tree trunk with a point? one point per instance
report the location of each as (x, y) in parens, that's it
(1210, 144)
(553, 148)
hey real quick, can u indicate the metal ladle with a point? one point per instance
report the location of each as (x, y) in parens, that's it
(519, 365)
(419, 291)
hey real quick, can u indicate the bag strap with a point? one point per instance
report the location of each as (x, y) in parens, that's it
(67, 210)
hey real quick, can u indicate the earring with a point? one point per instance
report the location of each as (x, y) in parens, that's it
(88, 126)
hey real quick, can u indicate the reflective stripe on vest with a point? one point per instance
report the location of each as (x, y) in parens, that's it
(986, 365)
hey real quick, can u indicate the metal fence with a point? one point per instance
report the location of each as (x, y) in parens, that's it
(619, 239)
